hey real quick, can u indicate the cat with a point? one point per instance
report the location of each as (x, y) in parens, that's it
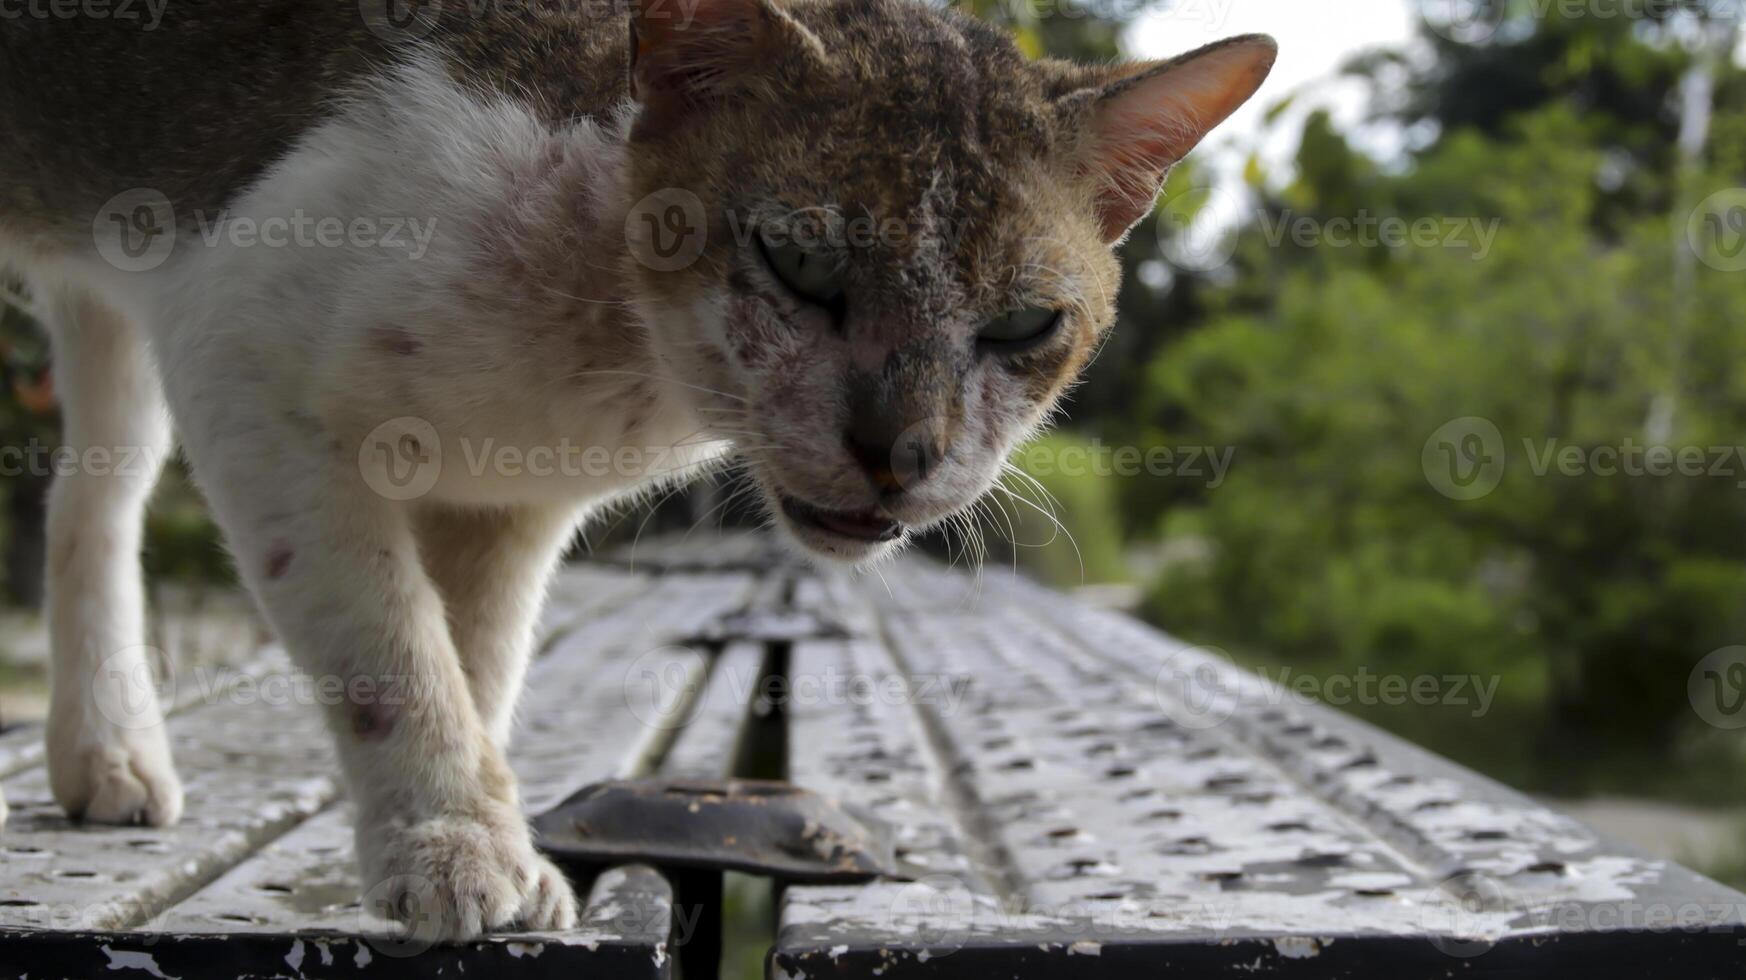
(375, 261)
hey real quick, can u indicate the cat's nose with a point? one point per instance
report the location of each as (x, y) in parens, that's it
(897, 457)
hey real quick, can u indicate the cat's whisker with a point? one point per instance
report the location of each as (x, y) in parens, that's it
(993, 502)
(1060, 528)
(637, 538)
(1007, 466)
(985, 505)
(722, 507)
(656, 377)
(592, 300)
(881, 577)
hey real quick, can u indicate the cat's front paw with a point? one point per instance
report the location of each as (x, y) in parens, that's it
(457, 877)
(106, 773)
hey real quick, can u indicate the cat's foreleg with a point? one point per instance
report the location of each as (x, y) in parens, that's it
(108, 758)
(491, 566)
(441, 838)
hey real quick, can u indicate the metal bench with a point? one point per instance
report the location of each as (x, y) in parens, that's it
(1072, 795)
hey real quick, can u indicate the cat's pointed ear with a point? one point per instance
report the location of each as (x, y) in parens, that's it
(1138, 124)
(689, 53)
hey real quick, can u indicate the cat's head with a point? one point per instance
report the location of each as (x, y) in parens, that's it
(876, 241)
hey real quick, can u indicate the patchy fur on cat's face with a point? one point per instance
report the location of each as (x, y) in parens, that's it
(903, 263)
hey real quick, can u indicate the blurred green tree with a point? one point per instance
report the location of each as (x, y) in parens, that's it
(1565, 313)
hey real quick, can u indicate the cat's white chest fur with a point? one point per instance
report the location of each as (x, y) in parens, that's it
(430, 265)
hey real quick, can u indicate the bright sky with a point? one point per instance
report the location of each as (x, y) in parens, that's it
(1315, 38)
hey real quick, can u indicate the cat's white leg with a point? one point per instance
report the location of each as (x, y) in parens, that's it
(491, 566)
(441, 839)
(108, 758)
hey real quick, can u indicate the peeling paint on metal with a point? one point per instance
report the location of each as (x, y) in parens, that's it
(134, 960)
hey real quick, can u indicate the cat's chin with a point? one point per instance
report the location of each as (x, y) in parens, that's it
(856, 538)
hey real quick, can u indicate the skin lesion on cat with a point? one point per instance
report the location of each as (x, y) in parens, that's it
(645, 257)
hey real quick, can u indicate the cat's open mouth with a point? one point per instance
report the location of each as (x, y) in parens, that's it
(865, 525)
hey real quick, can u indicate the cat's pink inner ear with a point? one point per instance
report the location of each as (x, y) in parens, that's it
(687, 52)
(1142, 124)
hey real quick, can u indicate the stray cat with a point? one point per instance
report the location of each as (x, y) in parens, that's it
(861, 244)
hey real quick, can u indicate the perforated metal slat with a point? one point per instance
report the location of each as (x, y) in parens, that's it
(22, 747)
(855, 734)
(577, 726)
(709, 732)
(580, 724)
(1151, 809)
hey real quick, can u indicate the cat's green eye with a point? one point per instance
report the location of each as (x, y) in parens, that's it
(1021, 329)
(813, 276)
